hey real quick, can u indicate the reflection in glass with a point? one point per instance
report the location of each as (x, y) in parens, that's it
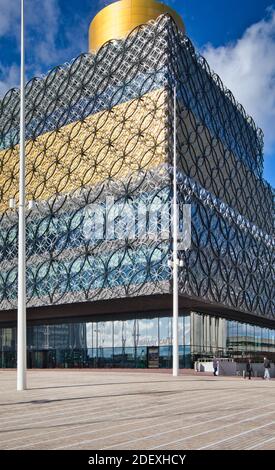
(181, 330)
(187, 330)
(140, 337)
(117, 334)
(89, 335)
(148, 332)
(242, 336)
(30, 339)
(165, 331)
(125, 343)
(258, 338)
(105, 334)
(265, 339)
(232, 338)
(250, 338)
(165, 357)
(141, 357)
(272, 340)
(128, 333)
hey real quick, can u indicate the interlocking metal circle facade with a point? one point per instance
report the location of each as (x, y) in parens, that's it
(102, 126)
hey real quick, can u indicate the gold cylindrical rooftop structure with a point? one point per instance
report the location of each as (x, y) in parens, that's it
(118, 19)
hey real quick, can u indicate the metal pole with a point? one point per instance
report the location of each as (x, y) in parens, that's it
(21, 308)
(175, 249)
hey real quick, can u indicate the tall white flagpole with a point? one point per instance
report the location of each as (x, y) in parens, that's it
(21, 308)
(175, 249)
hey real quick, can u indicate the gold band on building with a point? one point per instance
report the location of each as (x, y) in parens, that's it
(89, 152)
(120, 18)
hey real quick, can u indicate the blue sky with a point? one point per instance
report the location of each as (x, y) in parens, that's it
(236, 36)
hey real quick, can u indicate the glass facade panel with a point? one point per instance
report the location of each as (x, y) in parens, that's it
(118, 334)
(165, 357)
(129, 357)
(61, 333)
(187, 330)
(129, 342)
(105, 357)
(265, 339)
(141, 357)
(89, 335)
(141, 332)
(272, 336)
(232, 338)
(118, 357)
(128, 333)
(250, 338)
(105, 334)
(148, 332)
(165, 331)
(258, 338)
(242, 337)
(30, 339)
(181, 330)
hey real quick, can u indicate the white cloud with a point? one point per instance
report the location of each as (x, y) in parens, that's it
(43, 49)
(43, 25)
(41, 29)
(247, 68)
(9, 15)
(10, 77)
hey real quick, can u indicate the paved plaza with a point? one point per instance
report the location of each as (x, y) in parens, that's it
(118, 410)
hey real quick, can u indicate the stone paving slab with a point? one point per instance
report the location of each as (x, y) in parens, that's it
(135, 410)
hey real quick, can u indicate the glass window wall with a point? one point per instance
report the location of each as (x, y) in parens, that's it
(126, 343)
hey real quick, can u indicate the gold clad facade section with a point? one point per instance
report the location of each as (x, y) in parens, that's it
(120, 18)
(112, 144)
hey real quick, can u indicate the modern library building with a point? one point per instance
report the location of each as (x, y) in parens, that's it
(99, 183)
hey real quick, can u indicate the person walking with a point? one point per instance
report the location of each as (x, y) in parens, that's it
(215, 366)
(266, 368)
(249, 369)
